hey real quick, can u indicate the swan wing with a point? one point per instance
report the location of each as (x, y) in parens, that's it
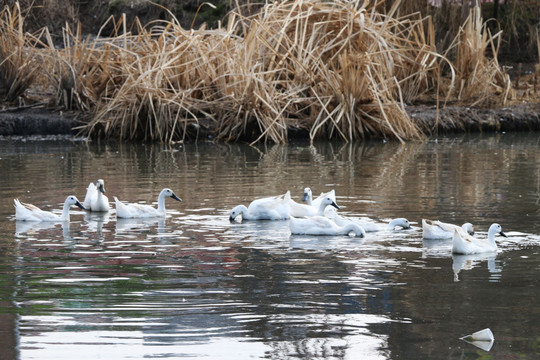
(29, 212)
(135, 210)
(91, 195)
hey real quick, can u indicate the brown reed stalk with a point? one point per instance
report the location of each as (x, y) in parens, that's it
(84, 70)
(17, 58)
(481, 81)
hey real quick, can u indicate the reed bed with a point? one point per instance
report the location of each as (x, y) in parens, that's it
(338, 69)
(481, 81)
(17, 63)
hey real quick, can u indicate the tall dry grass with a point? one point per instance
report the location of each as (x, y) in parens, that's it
(336, 69)
(339, 69)
(17, 63)
(481, 81)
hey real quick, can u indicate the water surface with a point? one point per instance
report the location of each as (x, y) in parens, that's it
(195, 285)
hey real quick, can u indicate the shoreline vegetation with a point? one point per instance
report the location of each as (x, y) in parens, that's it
(344, 70)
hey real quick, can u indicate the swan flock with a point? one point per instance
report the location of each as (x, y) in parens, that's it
(315, 216)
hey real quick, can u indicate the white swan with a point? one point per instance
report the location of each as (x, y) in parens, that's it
(437, 230)
(368, 226)
(469, 245)
(144, 211)
(28, 212)
(95, 200)
(268, 208)
(303, 210)
(308, 197)
(320, 225)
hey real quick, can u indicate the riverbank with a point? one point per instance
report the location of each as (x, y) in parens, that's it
(451, 119)
(313, 69)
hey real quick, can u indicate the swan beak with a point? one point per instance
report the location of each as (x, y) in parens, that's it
(176, 197)
(102, 188)
(78, 204)
(503, 234)
(305, 197)
(334, 205)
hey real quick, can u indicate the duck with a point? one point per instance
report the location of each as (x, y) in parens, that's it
(308, 197)
(95, 200)
(321, 225)
(267, 208)
(467, 244)
(29, 212)
(368, 226)
(304, 210)
(128, 211)
(438, 230)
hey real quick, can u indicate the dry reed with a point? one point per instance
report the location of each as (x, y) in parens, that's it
(481, 81)
(336, 69)
(17, 63)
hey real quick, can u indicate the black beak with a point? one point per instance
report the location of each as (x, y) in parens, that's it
(78, 204)
(503, 234)
(102, 188)
(334, 205)
(175, 197)
(305, 197)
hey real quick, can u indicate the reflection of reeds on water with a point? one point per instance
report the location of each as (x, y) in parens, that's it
(336, 69)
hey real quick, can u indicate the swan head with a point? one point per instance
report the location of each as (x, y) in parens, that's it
(402, 222)
(307, 194)
(101, 185)
(72, 200)
(237, 210)
(328, 201)
(496, 229)
(169, 193)
(468, 228)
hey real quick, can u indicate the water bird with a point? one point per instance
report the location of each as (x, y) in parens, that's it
(368, 226)
(268, 208)
(29, 212)
(438, 230)
(308, 197)
(320, 225)
(303, 210)
(95, 200)
(144, 211)
(470, 245)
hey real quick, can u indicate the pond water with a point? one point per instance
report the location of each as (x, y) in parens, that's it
(195, 285)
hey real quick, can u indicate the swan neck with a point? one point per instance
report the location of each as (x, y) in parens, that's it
(161, 203)
(65, 210)
(491, 239)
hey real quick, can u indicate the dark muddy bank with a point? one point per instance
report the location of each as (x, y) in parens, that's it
(451, 119)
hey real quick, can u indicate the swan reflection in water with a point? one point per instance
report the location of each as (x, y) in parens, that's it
(468, 262)
(24, 229)
(125, 225)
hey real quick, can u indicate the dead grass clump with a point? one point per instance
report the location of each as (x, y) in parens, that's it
(85, 69)
(167, 85)
(332, 68)
(481, 81)
(17, 59)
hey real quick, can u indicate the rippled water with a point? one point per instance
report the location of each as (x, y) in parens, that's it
(196, 285)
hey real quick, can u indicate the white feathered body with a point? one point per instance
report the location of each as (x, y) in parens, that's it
(95, 199)
(320, 225)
